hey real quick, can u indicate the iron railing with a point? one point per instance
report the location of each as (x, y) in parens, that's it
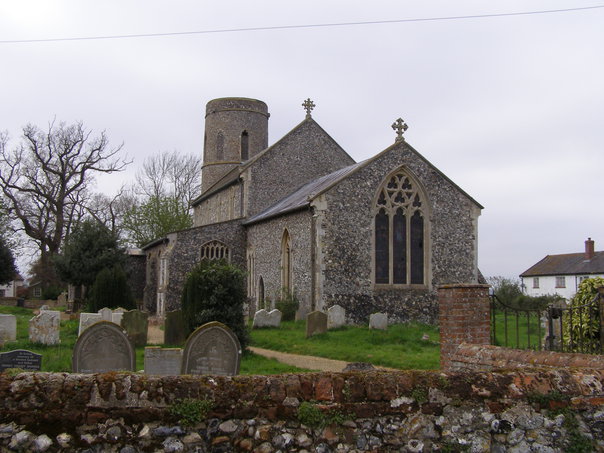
(518, 327)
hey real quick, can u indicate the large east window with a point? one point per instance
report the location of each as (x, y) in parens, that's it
(400, 233)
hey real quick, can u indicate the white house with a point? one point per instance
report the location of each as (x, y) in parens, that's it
(561, 274)
(10, 289)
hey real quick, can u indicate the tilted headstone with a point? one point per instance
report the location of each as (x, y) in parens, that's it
(101, 348)
(212, 349)
(45, 327)
(163, 361)
(88, 319)
(378, 321)
(135, 323)
(316, 323)
(175, 331)
(20, 358)
(106, 314)
(8, 327)
(336, 317)
(264, 318)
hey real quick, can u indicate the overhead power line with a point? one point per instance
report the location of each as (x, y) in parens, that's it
(290, 27)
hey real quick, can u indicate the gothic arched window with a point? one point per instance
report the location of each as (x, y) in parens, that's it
(286, 261)
(244, 146)
(400, 232)
(215, 250)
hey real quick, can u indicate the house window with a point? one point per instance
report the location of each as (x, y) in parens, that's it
(560, 282)
(215, 250)
(244, 146)
(2, 292)
(536, 282)
(37, 291)
(286, 260)
(400, 232)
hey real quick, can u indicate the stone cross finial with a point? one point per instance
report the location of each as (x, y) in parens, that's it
(400, 127)
(308, 106)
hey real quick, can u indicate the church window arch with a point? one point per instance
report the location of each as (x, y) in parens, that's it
(400, 232)
(245, 145)
(286, 261)
(220, 146)
(260, 296)
(215, 250)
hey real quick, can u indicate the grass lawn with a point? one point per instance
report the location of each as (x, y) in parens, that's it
(58, 358)
(401, 346)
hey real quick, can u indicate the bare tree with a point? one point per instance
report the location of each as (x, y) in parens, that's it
(46, 178)
(170, 175)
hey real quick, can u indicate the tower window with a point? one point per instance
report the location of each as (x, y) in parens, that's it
(244, 146)
(399, 228)
(220, 146)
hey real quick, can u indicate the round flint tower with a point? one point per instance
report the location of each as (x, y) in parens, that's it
(236, 129)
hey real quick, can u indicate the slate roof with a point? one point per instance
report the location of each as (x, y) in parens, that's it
(301, 198)
(567, 264)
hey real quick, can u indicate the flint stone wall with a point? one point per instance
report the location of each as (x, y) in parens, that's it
(183, 252)
(346, 229)
(386, 411)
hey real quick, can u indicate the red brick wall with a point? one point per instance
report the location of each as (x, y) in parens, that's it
(463, 318)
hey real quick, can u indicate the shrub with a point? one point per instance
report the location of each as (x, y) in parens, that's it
(190, 411)
(215, 291)
(288, 304)
(111, 290)
(582, 329)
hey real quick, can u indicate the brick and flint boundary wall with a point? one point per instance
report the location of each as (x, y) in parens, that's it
(463, 317)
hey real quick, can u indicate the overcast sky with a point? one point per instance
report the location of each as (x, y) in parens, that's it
(511, 108)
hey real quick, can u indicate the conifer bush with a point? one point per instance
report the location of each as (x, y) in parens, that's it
(215, 291)
(111, 290)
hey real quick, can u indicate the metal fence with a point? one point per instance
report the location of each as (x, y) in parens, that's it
(556, 328)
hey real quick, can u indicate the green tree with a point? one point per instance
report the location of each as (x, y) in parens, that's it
(89, 249)
(155, 218)
(506, 289)
(110, 289)
(215, 291)
(8, 270)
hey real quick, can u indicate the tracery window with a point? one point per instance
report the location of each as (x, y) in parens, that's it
(400, 232)
(215, 250)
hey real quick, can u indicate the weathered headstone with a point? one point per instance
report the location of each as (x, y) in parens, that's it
(20, 358)
(116, 317)
(44, 308)
(174, 328)
(135, 323)
(62, 299)
(316, 323)
(336, 317)
(103, 347)
(212, 349)
(106, 314)
(8, 327)
(378, 321)
(264, 318)
(44, 328)
(88, 319)
(163, 361)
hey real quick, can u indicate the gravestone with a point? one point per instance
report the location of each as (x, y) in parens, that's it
(135, 323)
(336, 317)
(174, 328)
(264, 318)
(316, 323)
(212, 349)
(106, 314)
(62, 299)
(116, 318)
(20, 358)
(8, 327)
(101, 348)
(88, 319)
(44, 328)
(163, 361)
(378, 321)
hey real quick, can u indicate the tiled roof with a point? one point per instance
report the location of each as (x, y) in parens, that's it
(567, 264)
(302, 197)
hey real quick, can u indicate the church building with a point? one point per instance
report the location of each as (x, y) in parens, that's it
(302, 216)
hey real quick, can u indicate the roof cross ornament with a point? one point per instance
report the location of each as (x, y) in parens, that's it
(308, 106)
(400, 127)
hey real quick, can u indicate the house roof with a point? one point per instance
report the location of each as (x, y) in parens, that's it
(567, 264)
(302, 197)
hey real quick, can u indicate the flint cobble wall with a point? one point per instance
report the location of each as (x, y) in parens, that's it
(407, 411)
